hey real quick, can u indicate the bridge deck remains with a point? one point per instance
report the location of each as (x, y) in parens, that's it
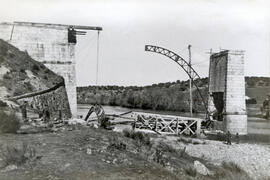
(167, 124)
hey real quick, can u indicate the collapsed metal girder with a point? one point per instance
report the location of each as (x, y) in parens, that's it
(183, 64)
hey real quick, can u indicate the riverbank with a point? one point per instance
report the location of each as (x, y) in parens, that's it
(253, 158)
(89, 153)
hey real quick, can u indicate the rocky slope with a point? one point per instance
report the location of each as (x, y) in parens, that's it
(20, 74)
(22, 79)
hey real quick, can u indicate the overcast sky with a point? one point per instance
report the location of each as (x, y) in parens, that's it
(130, 24)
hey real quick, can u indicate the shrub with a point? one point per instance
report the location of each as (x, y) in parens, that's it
(138, 136)
(1, 59)
(184, 140)
(3, 104)
(3, 50)
(115, 143)
(9, 122)
(7, 76)
(28, 86)
(191, 171)
(47, 71)
(35, 67)
(159, 157)
(11, 55)
(166, 147)
(17, 155)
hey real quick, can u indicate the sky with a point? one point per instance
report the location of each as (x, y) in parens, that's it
(128, 25)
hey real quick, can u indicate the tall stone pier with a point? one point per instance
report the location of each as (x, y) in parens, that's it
(51, 44)
(227, 90)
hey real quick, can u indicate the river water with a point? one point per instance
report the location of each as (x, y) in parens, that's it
(255, 125)
(83, 109)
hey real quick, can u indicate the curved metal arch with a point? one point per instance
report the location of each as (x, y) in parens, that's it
(182, 63)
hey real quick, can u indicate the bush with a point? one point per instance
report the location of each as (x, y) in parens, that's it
(1, 59)
(138, 136)
(17, 155)
(7, 76)
(115, 143)
(184, 140)
(191, 171)
(3, 104)
(9, 122)
(35, 67)
(28, 86)
(47, 71)
(166, 147)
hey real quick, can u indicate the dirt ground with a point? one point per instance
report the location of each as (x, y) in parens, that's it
(81, 154)
(88, 153)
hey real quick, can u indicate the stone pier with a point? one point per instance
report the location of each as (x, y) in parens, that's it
(51, 44)
(227, 89)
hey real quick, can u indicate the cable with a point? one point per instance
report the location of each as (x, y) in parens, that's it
(97, 58)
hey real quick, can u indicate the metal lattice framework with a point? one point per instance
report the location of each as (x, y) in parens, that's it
(182, 63)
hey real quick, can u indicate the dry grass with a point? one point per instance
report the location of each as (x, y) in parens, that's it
(230, 171)
(17, 155)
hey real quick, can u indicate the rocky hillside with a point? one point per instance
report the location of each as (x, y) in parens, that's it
(22, 79)
(20, 74)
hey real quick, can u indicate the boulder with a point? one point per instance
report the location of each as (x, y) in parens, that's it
(75, 121)
(201, 168)
(88, 151)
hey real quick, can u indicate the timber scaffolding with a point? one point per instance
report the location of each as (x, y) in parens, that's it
(167, 124)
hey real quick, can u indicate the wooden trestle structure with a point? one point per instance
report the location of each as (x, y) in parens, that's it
(161, 124)
(167, 124)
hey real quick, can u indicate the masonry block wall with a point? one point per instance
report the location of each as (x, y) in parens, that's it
(46, 43)
(226, 74)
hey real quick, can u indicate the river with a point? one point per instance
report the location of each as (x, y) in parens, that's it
(255, 125)
(83, 109)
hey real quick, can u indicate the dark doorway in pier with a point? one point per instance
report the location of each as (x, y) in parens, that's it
(219, 105)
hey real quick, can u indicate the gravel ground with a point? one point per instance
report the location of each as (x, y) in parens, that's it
(253, 158)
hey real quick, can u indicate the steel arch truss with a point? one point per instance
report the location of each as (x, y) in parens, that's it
(181, 62)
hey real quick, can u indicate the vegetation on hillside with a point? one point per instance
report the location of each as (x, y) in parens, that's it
(163, 96)
(173, 96)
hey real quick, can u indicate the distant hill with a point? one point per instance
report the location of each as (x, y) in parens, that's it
(172, 96)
